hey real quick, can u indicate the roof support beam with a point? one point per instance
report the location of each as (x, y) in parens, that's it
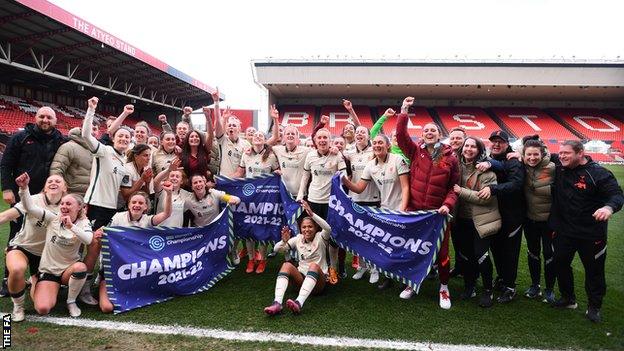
(6, 52)
(127, 87)
(39, 36)
(112, 82)
(70, 71)
(92, 78)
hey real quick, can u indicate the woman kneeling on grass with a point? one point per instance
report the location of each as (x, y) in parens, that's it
(311, 274)
(136, 216)
(65, 233)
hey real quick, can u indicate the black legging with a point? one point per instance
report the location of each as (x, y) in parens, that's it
(474, 252)
(539, 239)
(506, 251)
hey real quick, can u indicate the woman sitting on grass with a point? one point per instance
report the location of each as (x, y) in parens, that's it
(311, 274)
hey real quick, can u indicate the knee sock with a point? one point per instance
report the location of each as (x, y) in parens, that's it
(308, 285)
(19, 298)
(280, 286)
(76, 282)
(89, 278)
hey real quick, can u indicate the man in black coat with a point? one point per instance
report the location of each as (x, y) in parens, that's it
(585, 195)
(30, 150)
(511, 205)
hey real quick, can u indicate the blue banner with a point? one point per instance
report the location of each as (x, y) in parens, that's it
(144, 266)
(263, 210)
(403, 245)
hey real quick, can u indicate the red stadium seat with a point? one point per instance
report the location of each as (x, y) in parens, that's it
(474, 120)
(592, 123)
(417, 119)
(301, 117)
(339, 117)
(528, 121)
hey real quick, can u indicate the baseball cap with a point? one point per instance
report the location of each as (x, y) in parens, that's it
(500, 134)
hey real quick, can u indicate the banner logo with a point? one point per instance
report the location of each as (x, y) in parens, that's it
(359, 209)
(249, 189)
(156, 243)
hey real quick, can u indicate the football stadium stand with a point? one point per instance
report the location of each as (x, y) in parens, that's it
(527, 121)
(472, 119)
(339, 117)
(592, 123)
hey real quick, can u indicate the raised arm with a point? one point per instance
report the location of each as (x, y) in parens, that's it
(217, 115)
(9, 215)
(162, 176)
(127, 111)
(87, 124)
(321, 124)
(209, 129)
(274, 139)
(287, 242)
(32, 209)
(162, 216)
(405, 142)
(166, 127)
(347, 105)
(83, 233)
(380, 122)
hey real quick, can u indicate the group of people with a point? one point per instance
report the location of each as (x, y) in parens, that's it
(64, 190)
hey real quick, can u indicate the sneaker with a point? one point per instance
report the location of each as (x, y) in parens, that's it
(261, 267)
(242, 253)
(250, 266)
(407, 293)
(343, 274)
(235, 260)
(549, 296)
(486, 299)
(359, 273)
(86, 297)
(272, 254)
(592, 313)
(385, 284)
(355, 262)
(74, 311)
(374, 277)
(4, 290)
(257, 256)
(294, 306)
(18, 313)
(507, 296)
(275, 308)
(533, 292)
(332, 277)
(469, 293)
(565, 302)
(445, 299)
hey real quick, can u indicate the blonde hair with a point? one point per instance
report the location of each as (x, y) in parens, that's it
(82, 211)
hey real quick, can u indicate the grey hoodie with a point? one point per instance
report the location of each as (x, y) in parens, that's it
(73, 161)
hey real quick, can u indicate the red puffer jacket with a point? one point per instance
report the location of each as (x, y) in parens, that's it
(431, 186)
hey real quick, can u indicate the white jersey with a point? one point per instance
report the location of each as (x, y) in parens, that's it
(161, 160)
(122, 219)
(108, 175)
(32, 234)
(177, 208)
(254, 166)
(231, 154)
(135, 176)
(386, 177)
(62, 245)
(322, 168)
(206, 209)
(291, 163)
(349, 147)
(314, 251)
(359, 159)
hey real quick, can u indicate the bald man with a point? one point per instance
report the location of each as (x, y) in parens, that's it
(29, 150)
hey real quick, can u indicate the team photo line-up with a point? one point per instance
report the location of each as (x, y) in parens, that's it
(63, 190)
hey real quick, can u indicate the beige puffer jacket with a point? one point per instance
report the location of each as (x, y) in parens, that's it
(73, 161)
(484, 213)
(537, 189)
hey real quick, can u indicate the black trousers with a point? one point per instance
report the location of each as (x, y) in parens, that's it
(539, 239)
(100, 216)
(458, 261)
(506, 252)
(474, 253)
(593, 255)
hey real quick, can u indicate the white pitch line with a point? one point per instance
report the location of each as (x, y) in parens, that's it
(335, 341)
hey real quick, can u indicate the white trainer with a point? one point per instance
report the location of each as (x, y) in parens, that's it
(86, 297)
(445, 299)
(74, 310)
(374, 276)
(18, 313)
(407, 293)
(359, 273)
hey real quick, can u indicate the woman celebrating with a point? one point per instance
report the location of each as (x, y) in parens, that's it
(65, 233)
(204, 202)
(136, 216)
(389, 173)
(25, 249)
(194, 156)
(175, 175)
(259, 160)
(433, 173)
(540, 172)
(138, 169)
(166, 153)
(478, 220)
(310, 275)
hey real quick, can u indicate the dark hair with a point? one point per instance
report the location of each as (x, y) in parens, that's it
(529, 137)
(345, 126)
(576, 145)
(535, 143)
(202, 155)
(482, 155)
(137, 149)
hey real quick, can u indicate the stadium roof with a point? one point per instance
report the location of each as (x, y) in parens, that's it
(41, 38)
(583, 80)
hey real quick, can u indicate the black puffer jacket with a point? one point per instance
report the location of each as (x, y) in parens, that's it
(510, 191)
(32, 151)
(577, 194)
